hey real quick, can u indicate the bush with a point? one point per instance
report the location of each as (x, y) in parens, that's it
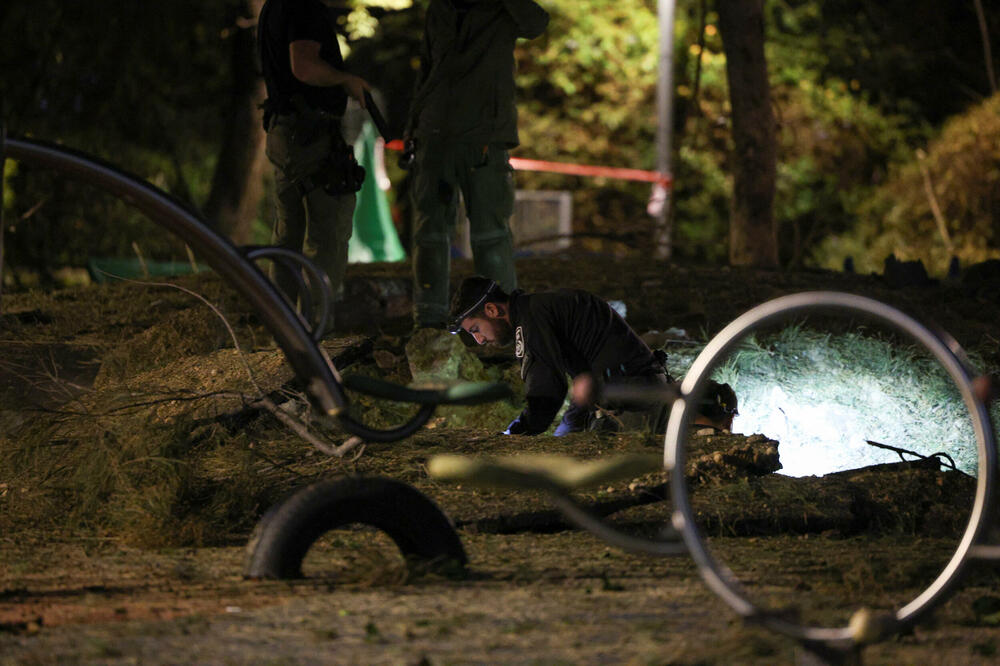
(962, 168)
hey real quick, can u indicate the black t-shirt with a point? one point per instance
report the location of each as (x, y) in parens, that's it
(282, 22)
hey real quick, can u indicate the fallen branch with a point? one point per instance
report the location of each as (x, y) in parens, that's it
(302, 430)
(939, 456)
(932, 201)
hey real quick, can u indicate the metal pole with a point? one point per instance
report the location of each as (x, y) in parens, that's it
(660, 200)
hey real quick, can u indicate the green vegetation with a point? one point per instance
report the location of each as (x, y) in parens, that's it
(857, 89)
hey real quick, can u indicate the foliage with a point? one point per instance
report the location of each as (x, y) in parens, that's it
(586, 90)
(856, 85)
(133, 84)
(896, 51)
(834, 149)
(142, 86)
(599, 70)
(962, 165)
(833, 145)
(362, 19)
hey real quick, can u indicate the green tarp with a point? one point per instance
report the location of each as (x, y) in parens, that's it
(374, 237)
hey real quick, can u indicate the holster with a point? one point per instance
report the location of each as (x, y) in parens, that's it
(340, 172)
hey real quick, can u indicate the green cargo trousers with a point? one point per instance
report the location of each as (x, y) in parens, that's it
(483, 175)
(298, 148)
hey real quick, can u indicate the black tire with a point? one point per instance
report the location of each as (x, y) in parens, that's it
(424, 534)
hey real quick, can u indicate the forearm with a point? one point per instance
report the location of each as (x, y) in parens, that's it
(311, 69)
(536, 418)
(319, 73)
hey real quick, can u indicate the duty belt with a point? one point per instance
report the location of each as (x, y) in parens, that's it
(296, 106)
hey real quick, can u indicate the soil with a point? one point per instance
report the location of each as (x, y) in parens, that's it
(126, 501)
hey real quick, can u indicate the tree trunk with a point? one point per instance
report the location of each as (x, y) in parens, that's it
(236, 184)
(753, 239)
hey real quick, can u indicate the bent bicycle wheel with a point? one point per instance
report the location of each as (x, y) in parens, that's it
(286, 532)
(749, 345)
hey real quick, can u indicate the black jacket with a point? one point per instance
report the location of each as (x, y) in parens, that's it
(567, 332)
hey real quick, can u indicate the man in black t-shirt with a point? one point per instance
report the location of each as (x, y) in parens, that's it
(315, 173)
(555, 334)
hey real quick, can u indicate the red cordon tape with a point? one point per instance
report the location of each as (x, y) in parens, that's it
(664, 179)
(521, 164)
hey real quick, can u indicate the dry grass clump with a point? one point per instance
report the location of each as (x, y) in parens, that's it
(156, 468)
(167, 448)
(171, 446)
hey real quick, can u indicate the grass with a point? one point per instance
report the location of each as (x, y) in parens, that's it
(823, 394)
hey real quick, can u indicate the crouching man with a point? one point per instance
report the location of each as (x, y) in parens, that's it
(555, 334)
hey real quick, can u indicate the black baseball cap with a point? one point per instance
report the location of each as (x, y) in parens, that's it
(471, 296)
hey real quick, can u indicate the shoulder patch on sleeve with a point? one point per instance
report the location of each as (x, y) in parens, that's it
(519, 343)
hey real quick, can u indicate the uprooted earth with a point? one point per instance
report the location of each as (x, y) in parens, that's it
(144, 433)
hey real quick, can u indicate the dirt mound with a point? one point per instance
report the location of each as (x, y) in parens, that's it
(164, 439)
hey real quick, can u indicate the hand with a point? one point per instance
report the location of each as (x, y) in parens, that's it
(409, 154)
(515, 428)
(584, 389)
(356, 87)
(985, 388)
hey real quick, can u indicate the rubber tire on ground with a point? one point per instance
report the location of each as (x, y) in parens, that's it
(423, 533)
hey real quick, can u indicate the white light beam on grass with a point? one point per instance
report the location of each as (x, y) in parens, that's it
(822, 396)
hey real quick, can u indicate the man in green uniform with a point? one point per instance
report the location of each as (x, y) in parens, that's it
(316, 176)
(463, 120)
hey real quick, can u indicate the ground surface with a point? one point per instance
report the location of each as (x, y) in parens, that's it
(142, 561)
(562, 598)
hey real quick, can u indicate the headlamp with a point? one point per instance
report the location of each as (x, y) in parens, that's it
(456, 324)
